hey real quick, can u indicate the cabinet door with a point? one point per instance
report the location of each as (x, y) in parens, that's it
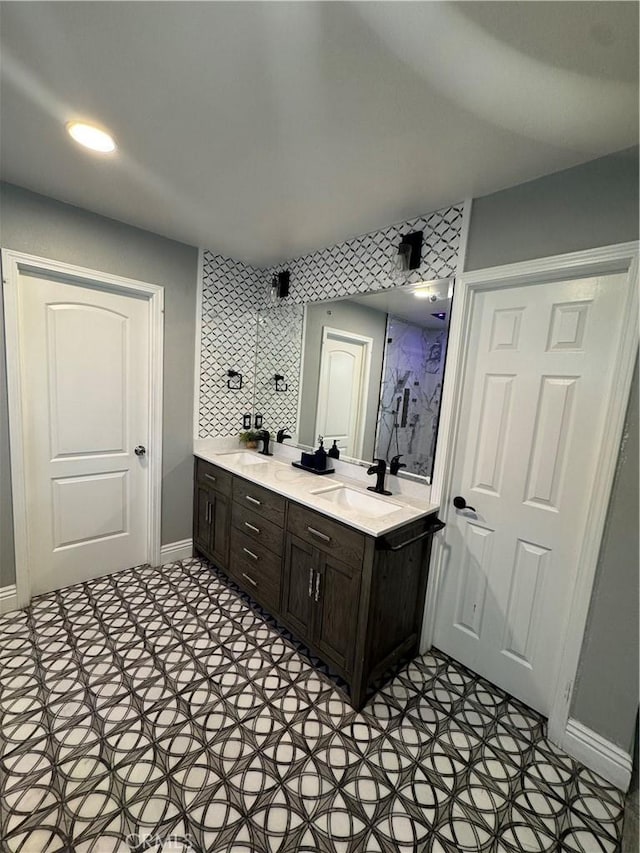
(336, 598)
(220, 528)
(202, 520)
(297, 588)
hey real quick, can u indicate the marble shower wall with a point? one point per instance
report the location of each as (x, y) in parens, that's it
(411, 392)
(236, 304)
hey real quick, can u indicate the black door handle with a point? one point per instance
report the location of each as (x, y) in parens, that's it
(460, 503)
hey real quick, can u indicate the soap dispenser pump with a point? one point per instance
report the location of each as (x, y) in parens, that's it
(320, 456)
(334, 452)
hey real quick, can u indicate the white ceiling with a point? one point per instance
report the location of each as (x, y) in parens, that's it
(266, 130)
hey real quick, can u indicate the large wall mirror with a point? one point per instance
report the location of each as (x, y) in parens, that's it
(365, 371)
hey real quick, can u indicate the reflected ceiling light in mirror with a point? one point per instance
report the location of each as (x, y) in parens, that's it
(427, 292)
(434, 290)
(91, 137)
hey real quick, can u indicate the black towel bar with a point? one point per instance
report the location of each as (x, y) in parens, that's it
(434, 528)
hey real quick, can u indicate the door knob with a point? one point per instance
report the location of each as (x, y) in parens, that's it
(140, 450)
(460, 503)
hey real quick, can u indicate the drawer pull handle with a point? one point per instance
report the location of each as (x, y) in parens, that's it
(310, 582)
(317, 594)
(211, 477)
(250, 553)
(252, 527)
(320, 535)
(249, 578)
(253, 500)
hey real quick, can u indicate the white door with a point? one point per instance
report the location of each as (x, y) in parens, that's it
(342, 391)
(85, 387)
(539, 360)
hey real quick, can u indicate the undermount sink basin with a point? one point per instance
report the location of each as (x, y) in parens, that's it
(346, 498)
(243, 457)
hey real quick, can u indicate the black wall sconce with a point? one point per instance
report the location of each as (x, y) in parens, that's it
(280, 285)
(409, 252)
(234, 382)
(280, 385)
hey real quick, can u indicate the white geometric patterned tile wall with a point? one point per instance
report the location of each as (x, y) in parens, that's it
(279, 351)
(233, 293)
(228, 342)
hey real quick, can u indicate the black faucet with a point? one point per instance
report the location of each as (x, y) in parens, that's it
(395, 465)
(265, 436)
(379, 469)
(282, 434)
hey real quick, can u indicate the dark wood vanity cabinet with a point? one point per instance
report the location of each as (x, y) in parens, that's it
(255, 560)
(320, 597)
(212, 512)
(355, 600)
(335, 602)
(321, 590)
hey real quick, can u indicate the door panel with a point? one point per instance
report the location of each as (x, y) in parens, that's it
(494, 423)
(86, 366)
(470, 600)
(525, 597)
(202, 520)
(108, 494)
(220, 526)
(297, 591)
(549, 445)
(532, 423)
(87, 348)
(337, 590)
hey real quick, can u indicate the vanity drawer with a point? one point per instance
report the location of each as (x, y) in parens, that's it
(257, 569)
(327, 535)
(214, 477)
(262, 501)
(257, 528)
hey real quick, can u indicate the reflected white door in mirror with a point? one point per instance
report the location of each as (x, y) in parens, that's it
(345, 364)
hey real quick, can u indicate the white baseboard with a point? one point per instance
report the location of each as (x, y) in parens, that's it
(598, 754)
(176, 551)
(8, 599)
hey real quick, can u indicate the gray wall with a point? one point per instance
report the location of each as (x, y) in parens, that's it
(352, 318)
(41, 226)
(592, 205)
(595, 204)
(608, 675)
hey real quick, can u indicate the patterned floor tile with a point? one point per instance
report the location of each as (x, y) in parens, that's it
(160, 706)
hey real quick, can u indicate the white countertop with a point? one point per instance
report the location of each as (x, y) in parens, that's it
(315, 491)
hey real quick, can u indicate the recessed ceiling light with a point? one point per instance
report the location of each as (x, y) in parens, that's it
(91, 137)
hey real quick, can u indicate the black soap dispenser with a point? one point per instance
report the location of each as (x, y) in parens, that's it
(334, 453)
(320, 456)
